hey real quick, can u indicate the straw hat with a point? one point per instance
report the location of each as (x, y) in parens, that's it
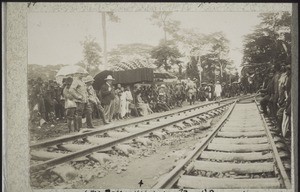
(109, 77)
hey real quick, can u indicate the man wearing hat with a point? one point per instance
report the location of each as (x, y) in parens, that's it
(191, 91)
(78, 89)
(218, 91)
(70, 105)
(93, 99)
(266, 90)
(107, 93)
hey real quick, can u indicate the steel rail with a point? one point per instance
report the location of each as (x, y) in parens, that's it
(286, 180)
(169, 180)
(106, 128)
(86, 152)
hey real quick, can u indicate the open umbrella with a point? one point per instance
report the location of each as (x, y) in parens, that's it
(99, 79)
(71, 69)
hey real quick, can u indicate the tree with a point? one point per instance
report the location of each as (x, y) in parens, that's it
(191, 40)
(131, 56)
(91, 54)
(162, 19)
(207, 52)
(46, 73)
(112, 17)
(269, 45)
(271, 40)
(166, 54)
(192, 70)
(216, 59)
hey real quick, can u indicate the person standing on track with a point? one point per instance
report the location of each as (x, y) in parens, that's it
(93, 99)
(218, 91)
(70, 105)
(79, 90)
(108, 95)
(191, 90)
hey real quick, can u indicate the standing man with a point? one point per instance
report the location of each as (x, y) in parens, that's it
(93, 99)
(79, 90)
(108, 95)
(191, 90)
(70, 105)
(218, 91)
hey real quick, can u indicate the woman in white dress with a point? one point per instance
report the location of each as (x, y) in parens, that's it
(123, 102)
(129, 99)
(218, 91)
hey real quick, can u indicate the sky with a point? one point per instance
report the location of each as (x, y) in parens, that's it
(54, 38)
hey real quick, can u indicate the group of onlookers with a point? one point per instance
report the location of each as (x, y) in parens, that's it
(46, 103)
(276, 92)
(116, 100)
(76, 98)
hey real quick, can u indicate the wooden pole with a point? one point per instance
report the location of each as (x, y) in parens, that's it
(104, 39)
(200, 68)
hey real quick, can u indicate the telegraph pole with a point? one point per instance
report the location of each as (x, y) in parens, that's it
(104, 39)
(200, 69)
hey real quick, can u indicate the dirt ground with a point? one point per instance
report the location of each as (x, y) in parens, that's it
(60, 128)
(147, 163)
(160, 158)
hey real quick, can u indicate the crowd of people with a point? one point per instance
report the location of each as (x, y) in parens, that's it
(76, 98)
(276, 93)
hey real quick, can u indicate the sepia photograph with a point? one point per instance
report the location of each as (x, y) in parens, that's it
(161, 99)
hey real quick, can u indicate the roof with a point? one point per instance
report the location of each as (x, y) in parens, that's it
(163, 76)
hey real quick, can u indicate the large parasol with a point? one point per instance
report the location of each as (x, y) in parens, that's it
(99, 79)
(69, 70)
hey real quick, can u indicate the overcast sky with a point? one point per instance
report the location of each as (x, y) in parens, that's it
(54, 38)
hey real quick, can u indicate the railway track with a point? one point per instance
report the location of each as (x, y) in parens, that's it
(240, 152)
(92, 144)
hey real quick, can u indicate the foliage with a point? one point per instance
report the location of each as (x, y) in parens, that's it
(270, 42)
(210, 51)
(269, 46)
(47, 72)
(130, 56)
(162, 20)
(92, 54)
(166, 54)
(216, 60)
(192, 70)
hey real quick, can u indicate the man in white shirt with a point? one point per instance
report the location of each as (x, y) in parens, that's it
(218, 91)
